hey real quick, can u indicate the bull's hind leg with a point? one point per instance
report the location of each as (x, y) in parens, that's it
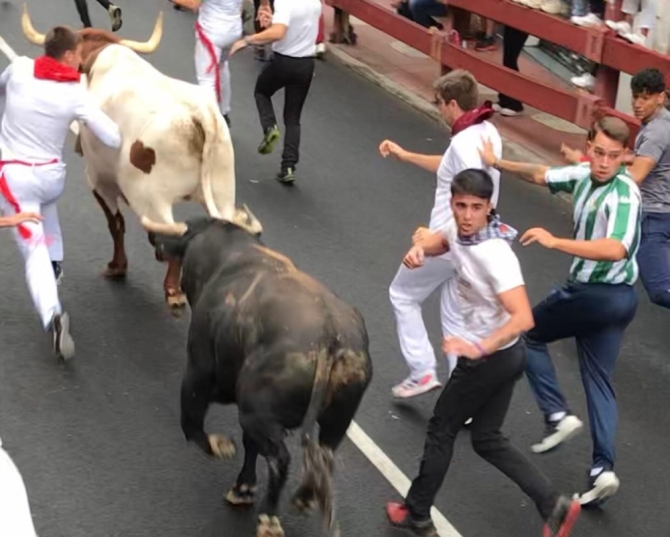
(118, 266)
(244, 489)
(268, 437)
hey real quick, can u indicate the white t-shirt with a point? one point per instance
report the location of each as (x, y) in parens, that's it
(215, 14)
(483, 271)
(301, 17)
(463, 153)
(38, 114)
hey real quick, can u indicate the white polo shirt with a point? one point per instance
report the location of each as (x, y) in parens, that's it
(301, 17)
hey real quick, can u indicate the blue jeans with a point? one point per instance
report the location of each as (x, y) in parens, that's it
(652, 257)
(596, 315)
(423, 11)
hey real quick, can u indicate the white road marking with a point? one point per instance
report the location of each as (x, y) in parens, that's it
(361, 440)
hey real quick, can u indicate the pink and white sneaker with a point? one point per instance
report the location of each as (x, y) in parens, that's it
(411, 388)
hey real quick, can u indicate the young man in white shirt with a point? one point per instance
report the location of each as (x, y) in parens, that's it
(43, 97)
(456, 96)
(492, 298)
(293, 31)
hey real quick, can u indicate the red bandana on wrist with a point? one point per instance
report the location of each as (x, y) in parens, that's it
(472, 117)
(47, 68)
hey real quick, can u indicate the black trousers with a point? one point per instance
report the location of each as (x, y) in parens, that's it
(513, 42)
(295, 76)
(82, 8)
(481, 389)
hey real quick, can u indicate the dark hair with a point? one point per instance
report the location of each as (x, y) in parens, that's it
(612, 127)
(60, 40)
(649, 81)
(473, 182)
(458, 85)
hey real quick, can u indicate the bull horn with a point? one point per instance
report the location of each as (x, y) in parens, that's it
(177, 229)
(28, 30)
(148, 46)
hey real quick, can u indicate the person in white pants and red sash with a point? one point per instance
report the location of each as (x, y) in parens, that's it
(456, 96)
(218, 26)
(43, 97)
(15, 517)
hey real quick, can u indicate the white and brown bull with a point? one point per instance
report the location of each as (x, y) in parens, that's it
(176, 143)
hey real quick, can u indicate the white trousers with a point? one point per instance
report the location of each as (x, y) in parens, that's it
(15, 517)
(646, 9)
(206, 67)
(408, 291)
(37, 189)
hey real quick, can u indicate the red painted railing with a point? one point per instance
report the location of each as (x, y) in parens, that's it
(579, 107)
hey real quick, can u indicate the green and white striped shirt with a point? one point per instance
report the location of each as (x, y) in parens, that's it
(608, 210)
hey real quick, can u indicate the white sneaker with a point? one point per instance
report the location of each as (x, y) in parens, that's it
(602, 487)
(411, 388)
(587, 81)
(554, 7)
(620, 27)
(320, 49)
(558, 432)
(590, 20)
(507, 112)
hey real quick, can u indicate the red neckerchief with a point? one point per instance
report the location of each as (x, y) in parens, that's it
(47, 68)
(472, 117)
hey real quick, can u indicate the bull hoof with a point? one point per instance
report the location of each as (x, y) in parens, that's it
(304, 500)
(222, 446)
(269, 527)
(241, 495)
(114, 271)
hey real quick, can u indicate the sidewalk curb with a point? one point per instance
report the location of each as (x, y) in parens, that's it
(511, 150)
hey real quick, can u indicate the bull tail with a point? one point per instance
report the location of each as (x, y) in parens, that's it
(218, 163)
(318, 459)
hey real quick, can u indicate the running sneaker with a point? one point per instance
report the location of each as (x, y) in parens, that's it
(561, 520)
(271, 136)
(558, 432)
(115, 15)
(400, 517)
(602, 486)
(286, 176)
(63, 343)
(411, 387)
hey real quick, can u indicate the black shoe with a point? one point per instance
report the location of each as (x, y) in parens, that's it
(286, 176)
(63, 343)
(485, 43)
(563, 517)
(58, 271)
(115, 15)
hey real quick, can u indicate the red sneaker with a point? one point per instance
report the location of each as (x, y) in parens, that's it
(400, 517)
(564, 516)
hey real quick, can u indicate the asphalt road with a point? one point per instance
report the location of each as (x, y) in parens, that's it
(98, 441)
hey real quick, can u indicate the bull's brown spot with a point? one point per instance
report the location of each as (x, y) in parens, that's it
(143, 158)
(196, 139)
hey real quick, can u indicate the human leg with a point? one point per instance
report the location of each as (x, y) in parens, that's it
(407, 292)
(598, 353)
(652, 257)
(54, 237)
(300, 76)
(82, 9)
(268, 83)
